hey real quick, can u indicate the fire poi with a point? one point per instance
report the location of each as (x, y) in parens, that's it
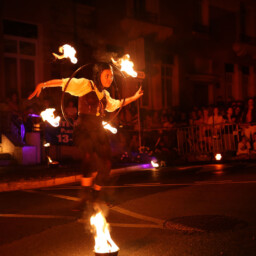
(67, 52)
(125, 65)
(109, 127)
(48, 115)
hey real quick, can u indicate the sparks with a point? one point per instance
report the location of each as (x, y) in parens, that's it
(126, 65)
(47, 115)
(109, 127)
(67, 52)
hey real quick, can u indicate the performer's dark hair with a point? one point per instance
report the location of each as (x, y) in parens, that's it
(97, 70)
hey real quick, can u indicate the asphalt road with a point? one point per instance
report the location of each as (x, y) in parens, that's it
(197, 210)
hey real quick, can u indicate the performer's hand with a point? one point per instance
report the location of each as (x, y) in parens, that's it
(37, 91)
(138, 94)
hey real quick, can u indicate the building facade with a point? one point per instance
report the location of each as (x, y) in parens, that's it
(193, 52)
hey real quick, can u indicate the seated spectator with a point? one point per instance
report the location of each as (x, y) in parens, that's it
(71, 110)
(243, 149)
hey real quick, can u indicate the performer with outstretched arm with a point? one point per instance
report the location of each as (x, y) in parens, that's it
(89, 135)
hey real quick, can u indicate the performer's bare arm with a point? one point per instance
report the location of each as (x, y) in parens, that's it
(39, 87)
(136, 96)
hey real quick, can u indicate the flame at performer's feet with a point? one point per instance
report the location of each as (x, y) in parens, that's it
(103, 241)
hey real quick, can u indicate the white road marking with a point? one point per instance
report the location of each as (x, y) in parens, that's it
(137, 215)
(196, 183)
(128, 225)
(36, 216)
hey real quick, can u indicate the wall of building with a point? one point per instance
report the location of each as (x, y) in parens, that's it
(186, 34)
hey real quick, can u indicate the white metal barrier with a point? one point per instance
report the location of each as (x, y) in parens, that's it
(208, 138)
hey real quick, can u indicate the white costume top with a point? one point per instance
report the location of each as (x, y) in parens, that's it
(81, 86)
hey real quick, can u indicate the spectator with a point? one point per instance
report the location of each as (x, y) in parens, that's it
(249, 118)
(71, 110)
(182, 120)
(134, 144)
(203, 119)
(166, 122)
(254, 145)
(126, 118)
(238, 114)
(193, 118)
(216, 118)
(156, 120)
(148, 121)
(243, 148)
(230, 117)
(13, 105)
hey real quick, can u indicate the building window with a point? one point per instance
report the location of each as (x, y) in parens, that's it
(166, 81)
(229, 73)
(245, 80)
(20, 52)
(20, 29)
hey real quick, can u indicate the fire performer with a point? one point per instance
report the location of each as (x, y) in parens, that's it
(89, 135)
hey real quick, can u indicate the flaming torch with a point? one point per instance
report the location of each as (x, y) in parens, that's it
(47, 115)
(109, 127)
(67, 52)
(125, 65)
(104, 245)
(52, 163)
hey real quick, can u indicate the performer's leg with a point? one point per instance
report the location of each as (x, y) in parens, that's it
(102, 162)
(104, 168)
(86, 183)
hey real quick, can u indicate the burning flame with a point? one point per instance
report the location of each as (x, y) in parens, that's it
(218, 157)
(154, 164)
(109, 127)
(52, 162)
(67, 52)
(126, 65)
(49, 117)
(49, 159)
(103, 240)
(47, 144)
